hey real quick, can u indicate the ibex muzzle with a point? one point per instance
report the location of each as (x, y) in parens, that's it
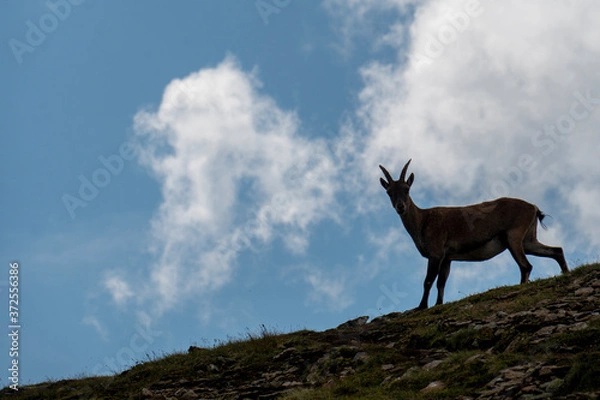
(471, 233)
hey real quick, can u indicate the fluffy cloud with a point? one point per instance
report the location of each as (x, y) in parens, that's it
(97, 325)
(234, 173)
(356, 18)
(488, 99)
(491, 99)
(328, 290)
(119, 289)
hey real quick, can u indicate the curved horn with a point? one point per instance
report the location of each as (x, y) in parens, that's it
(387, 174)
(403, 173)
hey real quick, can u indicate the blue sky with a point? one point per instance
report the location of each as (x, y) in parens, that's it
(177, 174)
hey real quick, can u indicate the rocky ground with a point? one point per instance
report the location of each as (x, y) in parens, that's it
(535, 341)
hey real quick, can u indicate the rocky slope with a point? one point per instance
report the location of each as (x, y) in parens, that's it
(535, 341)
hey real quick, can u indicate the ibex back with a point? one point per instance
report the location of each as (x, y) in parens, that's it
(472, 233)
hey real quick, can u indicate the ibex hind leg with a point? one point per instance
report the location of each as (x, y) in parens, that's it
(515, 246)
(538, 249)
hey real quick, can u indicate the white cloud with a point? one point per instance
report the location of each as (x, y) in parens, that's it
(503, 101)
(388, 247)
(585, 199)
(327, 291)
(234, 173)
(97, 325)
(356, 19)
(488, 99)
(475, 118)
(119, 289)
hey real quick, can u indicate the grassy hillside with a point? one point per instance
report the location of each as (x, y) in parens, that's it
(535, 341)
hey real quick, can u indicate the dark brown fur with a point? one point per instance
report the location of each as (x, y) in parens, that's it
(471, 233)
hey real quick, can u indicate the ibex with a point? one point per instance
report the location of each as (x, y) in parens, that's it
(472, 233)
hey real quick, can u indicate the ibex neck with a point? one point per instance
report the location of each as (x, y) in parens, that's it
(412, 219)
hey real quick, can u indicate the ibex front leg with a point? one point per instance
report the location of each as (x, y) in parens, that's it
(441, 280)
(433, 268)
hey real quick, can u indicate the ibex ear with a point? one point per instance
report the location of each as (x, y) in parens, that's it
(384, 183)
(410, 180)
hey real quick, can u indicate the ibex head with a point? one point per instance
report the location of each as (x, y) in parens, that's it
(398, 190)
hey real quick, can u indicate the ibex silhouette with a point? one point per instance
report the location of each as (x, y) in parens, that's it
(471, 233)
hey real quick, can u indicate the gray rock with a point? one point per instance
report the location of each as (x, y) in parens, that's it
(361, 357)
(431, 365)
